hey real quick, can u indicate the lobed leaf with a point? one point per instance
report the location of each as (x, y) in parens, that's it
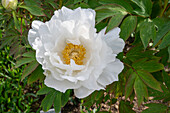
(166, 41)
(106, 11)
(130, 84)
(37, 74)
(33, 9)
(169, 53)
(114, 22)
(29, 69)
(122, 3)
(145, 7)
(149, 80)
(23, 61)
(48, 101)
(125, 107)
(57, 101)
(30, 54)
(140, 90)
(163, 30)
(44, 90)
(155, 108)
(65, 97)
(147, 32)
(150, 66)
(166, 78)
(128, 26)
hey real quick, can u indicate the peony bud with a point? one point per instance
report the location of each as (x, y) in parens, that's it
(10, 4)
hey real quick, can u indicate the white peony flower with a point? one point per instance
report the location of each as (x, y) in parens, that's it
(73, 55)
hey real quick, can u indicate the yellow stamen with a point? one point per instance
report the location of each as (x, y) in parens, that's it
(75, 52)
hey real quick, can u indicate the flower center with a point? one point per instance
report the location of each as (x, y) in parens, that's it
(75, 52)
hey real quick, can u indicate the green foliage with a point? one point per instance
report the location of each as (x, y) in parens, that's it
(13, 96)
(54, 97)
(125, 107)
(156, 108)
(128, 26)
(144, 28)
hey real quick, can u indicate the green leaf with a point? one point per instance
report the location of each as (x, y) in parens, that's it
(129, 85)
(29, 69)
(106, 11)
(169, 53)
(150, 66)
(165, 42)
(165, 95)
(33, 9)
(30, 54)
(155, 108)
(57, 102)
(37, 74)
(48, 101)
(140, 90)
(137, 52)
(77, 1)
(82, 5)
(65, 97)
(52, 3)
(99, 94)
(101, 26)
(114, 22)
(161, 32)
(23, 61)
(103, 112)
(145, 7)
(128, 26)
(93, 3)
(149, 80)
(33, 2)
(166, 78)
(123, 3)
(125, 107)
(147, 32)
(44, 90)
(6, 40)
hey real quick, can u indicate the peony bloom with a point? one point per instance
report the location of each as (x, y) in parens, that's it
(73, 55)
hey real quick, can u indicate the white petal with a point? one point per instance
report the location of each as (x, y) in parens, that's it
(117, 45)
(114, 33)
(112, 39)
(83, 92)
(110, 73)
(60, 85)
(83, 15)
(36, 24)
(32, 34)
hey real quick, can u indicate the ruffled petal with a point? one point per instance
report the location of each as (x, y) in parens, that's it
(83, 92)
(83, 15)
(32, 34)
(110, 73)
(112, 39)
(60, 85)
(36, 24)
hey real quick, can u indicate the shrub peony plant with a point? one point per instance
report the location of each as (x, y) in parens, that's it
(106, 52)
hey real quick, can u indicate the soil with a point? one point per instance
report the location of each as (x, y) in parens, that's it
(71, 108)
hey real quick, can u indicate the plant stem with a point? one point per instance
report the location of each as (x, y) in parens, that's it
(60, 4)
(163, 10)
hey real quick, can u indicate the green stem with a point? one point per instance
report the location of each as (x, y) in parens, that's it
(15, 20)
(60, 4)
(163, 10)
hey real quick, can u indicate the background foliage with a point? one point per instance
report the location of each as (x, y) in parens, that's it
(144, 27)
